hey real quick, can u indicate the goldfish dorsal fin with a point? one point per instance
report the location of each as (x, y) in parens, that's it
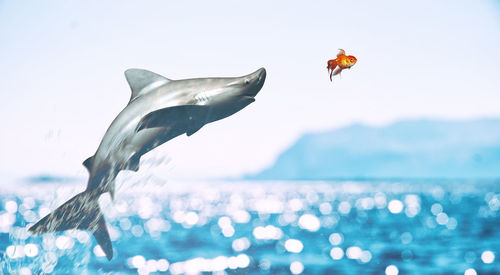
(341, 52)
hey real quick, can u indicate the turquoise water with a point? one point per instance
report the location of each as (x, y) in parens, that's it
(346, 227)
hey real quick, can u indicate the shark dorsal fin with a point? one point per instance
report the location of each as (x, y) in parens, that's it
(143, 81)
(88, 163)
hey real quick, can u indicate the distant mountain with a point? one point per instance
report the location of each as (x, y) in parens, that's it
(406, 149)
(47, 178)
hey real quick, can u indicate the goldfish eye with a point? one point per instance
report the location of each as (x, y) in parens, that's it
(352, 60)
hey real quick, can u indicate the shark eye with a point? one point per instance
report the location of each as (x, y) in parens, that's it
(247, 81)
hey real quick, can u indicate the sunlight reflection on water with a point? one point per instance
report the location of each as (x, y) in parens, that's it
(264, 227)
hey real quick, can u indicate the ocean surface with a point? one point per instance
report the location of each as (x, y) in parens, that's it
(233, 227)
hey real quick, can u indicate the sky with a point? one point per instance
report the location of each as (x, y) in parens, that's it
(62, 64)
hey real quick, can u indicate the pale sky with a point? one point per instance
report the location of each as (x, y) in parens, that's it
(62, 64)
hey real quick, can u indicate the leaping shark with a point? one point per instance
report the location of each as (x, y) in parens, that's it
(159, 110)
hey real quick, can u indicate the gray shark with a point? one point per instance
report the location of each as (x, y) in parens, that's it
(159, 110)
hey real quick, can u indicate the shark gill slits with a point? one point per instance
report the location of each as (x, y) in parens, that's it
(202, 97)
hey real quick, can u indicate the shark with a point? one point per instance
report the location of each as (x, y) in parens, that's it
(159, 110)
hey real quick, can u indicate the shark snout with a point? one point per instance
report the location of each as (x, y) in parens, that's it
(261, 76)
(256, 80)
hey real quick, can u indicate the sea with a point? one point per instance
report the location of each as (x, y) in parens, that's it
(262, 227)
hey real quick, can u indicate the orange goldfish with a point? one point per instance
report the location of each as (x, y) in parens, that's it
(342, 61)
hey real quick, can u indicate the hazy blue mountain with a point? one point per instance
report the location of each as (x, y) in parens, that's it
(406, 149)
(48, 178)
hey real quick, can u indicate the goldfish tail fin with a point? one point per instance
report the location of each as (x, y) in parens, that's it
(332, 64)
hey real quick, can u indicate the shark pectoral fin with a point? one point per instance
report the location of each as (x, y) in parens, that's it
(88, 163)
(193, 128)
(184, 116)
(143, 81)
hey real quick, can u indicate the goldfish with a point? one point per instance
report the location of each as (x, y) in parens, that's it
(342, 61)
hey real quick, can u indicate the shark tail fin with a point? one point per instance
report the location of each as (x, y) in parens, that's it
(80, 212)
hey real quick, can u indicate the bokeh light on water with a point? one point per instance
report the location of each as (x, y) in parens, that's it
(264, 228)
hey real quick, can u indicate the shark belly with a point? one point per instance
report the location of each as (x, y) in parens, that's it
(128, 154)
(148, 139)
